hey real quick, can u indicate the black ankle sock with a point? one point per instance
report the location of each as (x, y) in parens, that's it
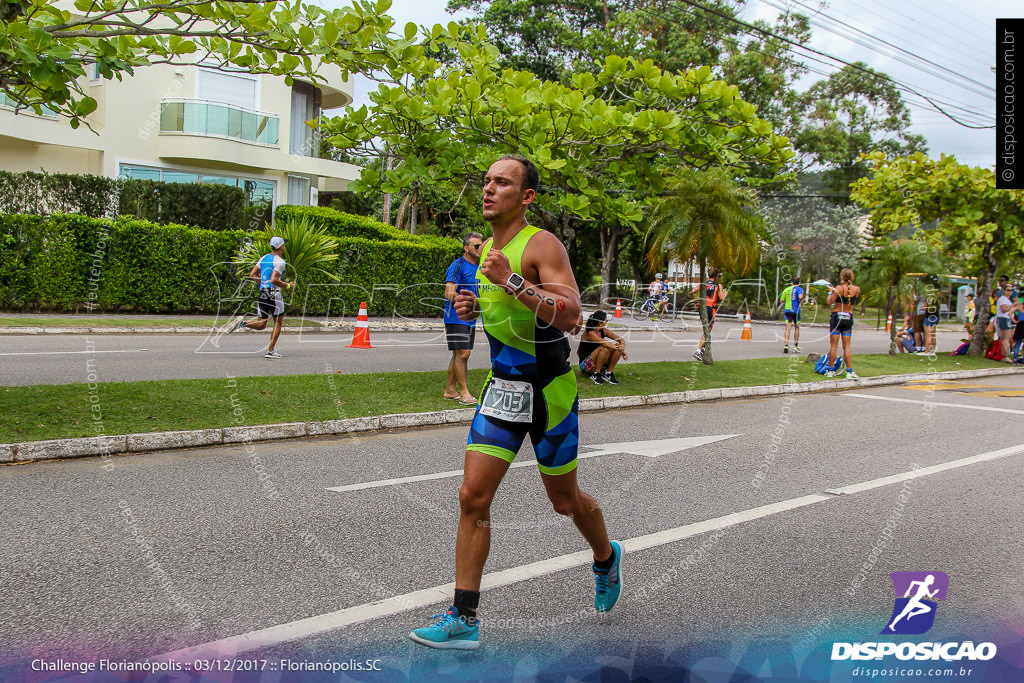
(466, 602)
(606, 564)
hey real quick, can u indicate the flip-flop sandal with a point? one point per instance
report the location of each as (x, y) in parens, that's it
(450, 398)
(471, 402)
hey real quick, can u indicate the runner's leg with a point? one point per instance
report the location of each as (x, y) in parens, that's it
(567, 499)
(276, 333)
(483, 475)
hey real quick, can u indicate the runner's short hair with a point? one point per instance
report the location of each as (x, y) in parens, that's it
(472, 235)
(531, 176)
(795, 280)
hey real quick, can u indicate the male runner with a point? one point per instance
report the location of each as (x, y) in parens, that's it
(268, 271)
(460, 336)
(528, 299)
(714, 294)
(793, 296)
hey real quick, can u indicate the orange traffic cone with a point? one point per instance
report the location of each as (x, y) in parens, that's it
(748, 330)
(361, 335)
(618, 308)
(888, 323)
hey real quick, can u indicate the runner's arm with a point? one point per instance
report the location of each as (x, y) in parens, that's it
(556, 299)
(450, 291)
(254, 274)
(466, 305)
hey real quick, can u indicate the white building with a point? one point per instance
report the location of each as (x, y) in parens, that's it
(191, 124)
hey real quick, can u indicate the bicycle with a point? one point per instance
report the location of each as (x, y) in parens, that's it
(650, 308)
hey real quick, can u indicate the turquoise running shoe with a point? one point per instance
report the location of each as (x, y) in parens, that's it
(449, 631)
(609, 582)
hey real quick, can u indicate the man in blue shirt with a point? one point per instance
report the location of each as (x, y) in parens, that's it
(268, 271)
(460, 335)
(793, 296)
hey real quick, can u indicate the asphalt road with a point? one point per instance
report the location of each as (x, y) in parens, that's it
(67, 359)
(144, 555)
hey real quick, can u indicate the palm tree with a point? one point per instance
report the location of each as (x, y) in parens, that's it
(308, 250)
(709, 218)
(890, 265)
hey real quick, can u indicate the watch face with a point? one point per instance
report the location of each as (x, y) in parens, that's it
(516, 281)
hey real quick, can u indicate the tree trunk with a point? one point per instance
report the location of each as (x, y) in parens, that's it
(985, 277)
(890, 298)
(609, 243)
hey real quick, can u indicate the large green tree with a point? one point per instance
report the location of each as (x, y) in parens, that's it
(48, 46)
(603, 144)
(819, 236)
(849, 114)
(980, 225)
(708, 218)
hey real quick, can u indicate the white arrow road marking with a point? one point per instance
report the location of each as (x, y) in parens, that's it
(275, 635)
(651, 449)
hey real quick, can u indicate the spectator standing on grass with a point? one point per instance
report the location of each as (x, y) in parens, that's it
(1018, 332)
(459, 334)
(920, 307)
(840, 326)
(1005, 309)
(930, 321)
(970, 315)
(600, 350)
(268, 271)
(792, 296)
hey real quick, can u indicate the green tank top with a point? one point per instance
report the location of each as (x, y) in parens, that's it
(521, 344)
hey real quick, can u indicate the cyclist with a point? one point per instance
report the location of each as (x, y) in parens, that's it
(658, 292)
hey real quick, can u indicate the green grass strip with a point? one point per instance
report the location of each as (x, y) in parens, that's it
(47, 411)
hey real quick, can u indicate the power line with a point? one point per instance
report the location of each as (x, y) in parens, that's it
(829, 18)
(874, 74)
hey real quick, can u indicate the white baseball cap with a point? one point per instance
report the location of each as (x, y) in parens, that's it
(658, 276)
(276, 242)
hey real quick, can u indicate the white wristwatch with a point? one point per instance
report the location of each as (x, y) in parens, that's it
(515, 282)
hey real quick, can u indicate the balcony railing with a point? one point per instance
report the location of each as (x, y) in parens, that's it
(202, 117)
(6, 101)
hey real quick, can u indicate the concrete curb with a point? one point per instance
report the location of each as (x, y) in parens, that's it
(158, 441)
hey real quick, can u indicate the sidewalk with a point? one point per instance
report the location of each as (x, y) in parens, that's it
(106, 446)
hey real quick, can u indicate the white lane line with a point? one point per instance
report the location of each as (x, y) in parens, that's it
(275, 635)
(938, 403)
(65, 353)
(932, 469)
(651, 449)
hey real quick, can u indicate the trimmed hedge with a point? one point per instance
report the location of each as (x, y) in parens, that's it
(341, 224)
(67, 262)
(214, 207)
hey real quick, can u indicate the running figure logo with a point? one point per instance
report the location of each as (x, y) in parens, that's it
(914, 611)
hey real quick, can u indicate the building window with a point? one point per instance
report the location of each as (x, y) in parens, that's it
(239, 89)
(298, 190)
(305, 107)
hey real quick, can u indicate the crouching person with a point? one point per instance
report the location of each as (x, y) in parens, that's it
(600, 350)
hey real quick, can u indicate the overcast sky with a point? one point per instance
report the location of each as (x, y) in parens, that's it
(958, 38)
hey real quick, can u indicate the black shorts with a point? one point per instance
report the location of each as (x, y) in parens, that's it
(792, 317)
(711, 317)
(460, 337)
(840, 325)
(270, 303)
